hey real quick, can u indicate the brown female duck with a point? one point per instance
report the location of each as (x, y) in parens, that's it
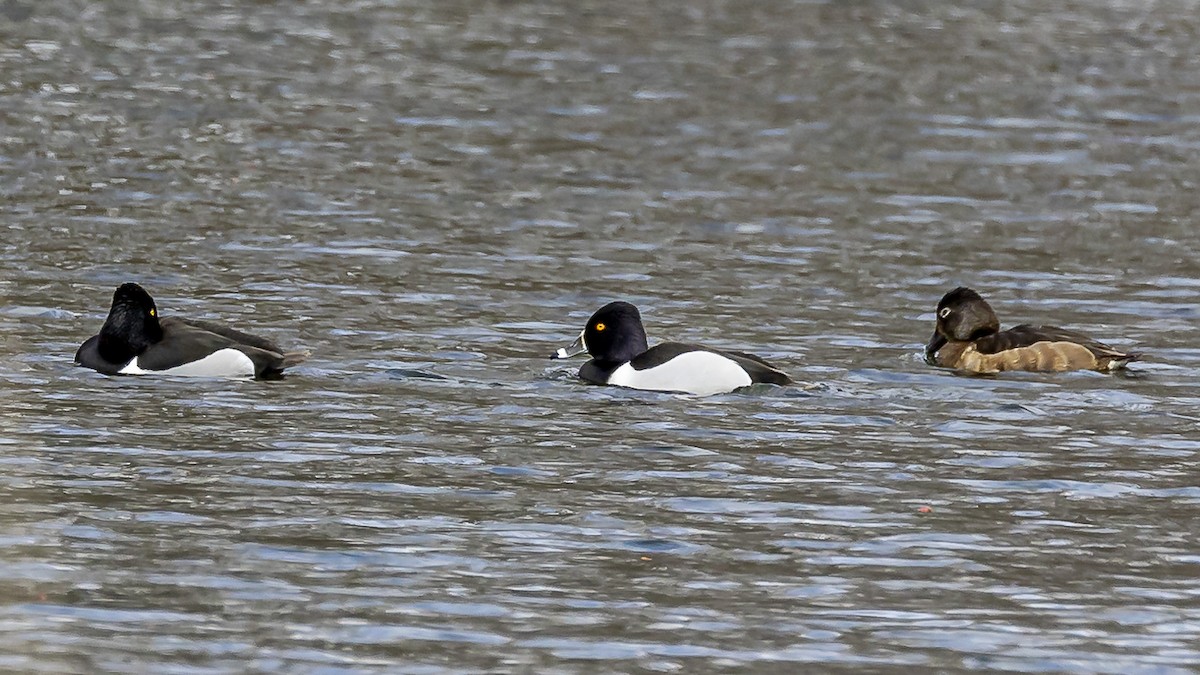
(968, 337)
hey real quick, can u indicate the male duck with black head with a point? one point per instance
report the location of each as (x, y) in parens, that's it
(968, 337)
(616, 341)
(135, 341)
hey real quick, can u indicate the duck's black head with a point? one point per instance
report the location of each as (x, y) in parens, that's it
(132, 324)
(614, 334)
(962, 315)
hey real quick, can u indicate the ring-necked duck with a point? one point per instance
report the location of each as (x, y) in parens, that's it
(134, 341)
(968, 337)
(616, 340)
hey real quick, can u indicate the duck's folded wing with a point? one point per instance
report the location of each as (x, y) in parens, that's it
(1026, 335)
(229, 333)
(759, 369)
(182, 343)
(661, 353)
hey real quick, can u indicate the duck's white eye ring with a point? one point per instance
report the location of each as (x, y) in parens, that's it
(944, 312)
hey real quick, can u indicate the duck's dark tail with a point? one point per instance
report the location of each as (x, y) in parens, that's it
(273, 370)
(294, 358)
(1117, 362)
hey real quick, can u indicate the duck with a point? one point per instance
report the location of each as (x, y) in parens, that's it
(134, 340)
(616, 340)
(967, 337)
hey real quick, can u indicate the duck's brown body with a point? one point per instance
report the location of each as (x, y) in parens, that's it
(1031, 348)
(968, 337)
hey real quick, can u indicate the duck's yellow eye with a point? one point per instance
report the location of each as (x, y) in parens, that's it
(153, 312)
(600, 326)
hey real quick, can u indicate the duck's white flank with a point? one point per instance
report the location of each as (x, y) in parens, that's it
(221, 363)
(700, 373)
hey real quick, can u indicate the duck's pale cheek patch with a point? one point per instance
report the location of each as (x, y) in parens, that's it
(221, 363)
(700, 373)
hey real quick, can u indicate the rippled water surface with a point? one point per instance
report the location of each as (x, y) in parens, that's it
(432, 196)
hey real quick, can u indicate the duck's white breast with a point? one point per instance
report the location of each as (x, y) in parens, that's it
(701, 373)
(221, 363)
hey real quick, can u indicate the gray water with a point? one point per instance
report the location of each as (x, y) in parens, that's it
(432, 196)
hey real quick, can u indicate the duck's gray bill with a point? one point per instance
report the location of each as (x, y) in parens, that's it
(935, 343)
(577, 347)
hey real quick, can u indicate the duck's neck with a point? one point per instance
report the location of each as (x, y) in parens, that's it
(984, 331)
(631, 343)
(127, 333)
